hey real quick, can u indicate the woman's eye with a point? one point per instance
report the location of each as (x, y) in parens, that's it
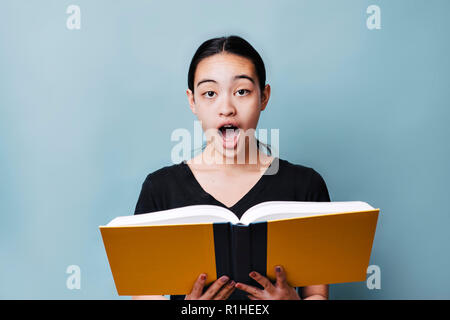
(209, 94)
(243, 92)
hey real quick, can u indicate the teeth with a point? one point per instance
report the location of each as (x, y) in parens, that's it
(227, 126)
(223, 131)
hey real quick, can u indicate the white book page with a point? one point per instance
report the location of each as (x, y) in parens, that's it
(276, 210)
(184, 215)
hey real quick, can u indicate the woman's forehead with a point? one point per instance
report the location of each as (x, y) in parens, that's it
(224, 67)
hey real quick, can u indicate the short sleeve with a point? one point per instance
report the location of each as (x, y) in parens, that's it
(147, 198)
(317, 190)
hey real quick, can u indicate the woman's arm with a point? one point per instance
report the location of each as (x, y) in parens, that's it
(319, 292)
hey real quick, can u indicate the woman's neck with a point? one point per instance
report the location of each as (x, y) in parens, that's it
(249, 161)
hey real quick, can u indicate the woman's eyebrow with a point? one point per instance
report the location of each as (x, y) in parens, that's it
(206, 80)
(244, 76)
(240, 76)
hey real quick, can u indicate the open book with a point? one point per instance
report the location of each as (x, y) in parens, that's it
(316, 242)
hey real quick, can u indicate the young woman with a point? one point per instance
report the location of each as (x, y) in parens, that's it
(227, 93)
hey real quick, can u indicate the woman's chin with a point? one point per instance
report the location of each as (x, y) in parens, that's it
(227, 151)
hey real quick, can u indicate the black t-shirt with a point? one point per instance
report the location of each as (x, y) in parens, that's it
(175, 186)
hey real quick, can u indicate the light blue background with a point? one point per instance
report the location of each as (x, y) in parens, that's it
(87, 114)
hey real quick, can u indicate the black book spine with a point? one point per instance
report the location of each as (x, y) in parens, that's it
(258, 247)
(222, 248)
(241, 257)
(239, 250)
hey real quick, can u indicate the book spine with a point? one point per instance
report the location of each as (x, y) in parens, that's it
(222, 248)
(258, 247)
(241, 263)
(240, 249)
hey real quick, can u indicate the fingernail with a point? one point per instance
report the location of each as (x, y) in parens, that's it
(224, 279)
(232, 283)
(278, 269)
(252, 274)
(203, 276)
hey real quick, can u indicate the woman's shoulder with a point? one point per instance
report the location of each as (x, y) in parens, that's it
(296, 168)
(164, 174)
(157, 189)
(302, 172)
(308, 181)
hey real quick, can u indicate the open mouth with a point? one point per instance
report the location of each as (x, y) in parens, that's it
(230, 134)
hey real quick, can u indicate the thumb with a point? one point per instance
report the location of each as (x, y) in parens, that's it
(280, 276)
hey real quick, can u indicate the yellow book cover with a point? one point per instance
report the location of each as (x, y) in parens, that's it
(164, 252)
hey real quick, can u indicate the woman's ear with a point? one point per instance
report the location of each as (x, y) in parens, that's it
(191, 100)
(265, 95)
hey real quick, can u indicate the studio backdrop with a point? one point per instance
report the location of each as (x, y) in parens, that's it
(91, 92)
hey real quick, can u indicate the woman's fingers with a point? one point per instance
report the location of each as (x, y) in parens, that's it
(253, 291)
(280, 276)
(221, 289)
(267, 285)
(214, 288)
(226, 291)
(197, 289)
(282, 290)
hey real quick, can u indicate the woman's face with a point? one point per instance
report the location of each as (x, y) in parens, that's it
(226, 91)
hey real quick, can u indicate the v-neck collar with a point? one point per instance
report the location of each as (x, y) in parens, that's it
(256, 187)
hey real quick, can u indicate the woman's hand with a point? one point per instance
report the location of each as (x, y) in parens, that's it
(221, 289)
(281, 290)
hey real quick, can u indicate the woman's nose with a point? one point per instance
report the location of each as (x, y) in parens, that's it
(227, 108)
